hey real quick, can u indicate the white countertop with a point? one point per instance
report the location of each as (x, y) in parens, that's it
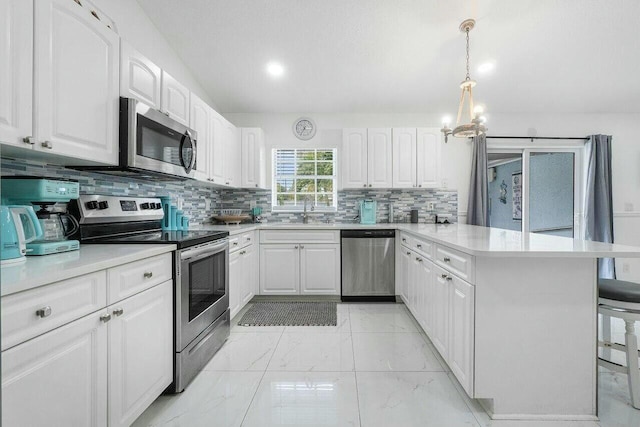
(471, 239)
(41, 270)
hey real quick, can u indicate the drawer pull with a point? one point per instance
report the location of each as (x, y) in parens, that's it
(404, 240)
(446, 259)
(419, 259)
(419, 246)
(295, 247)
(449, 278)
(301, 246)
(408, 253)
(44, 312)
(105, 318)
(47, 144)
(235, 243)
(148, 274)
(444, 276)
(118, 311)
(248, 239)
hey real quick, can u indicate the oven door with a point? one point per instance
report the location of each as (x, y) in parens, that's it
(155, 142)
(202, 291)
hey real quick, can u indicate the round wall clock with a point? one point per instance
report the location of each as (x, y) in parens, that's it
(304, 128)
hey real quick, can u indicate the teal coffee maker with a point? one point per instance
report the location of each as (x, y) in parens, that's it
(368, 210)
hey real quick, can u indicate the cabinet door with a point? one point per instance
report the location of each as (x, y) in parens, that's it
(76, 75)
(253, 158)
(236, 277)
(413, 283)
(461, 335)
(279, 269)
(440, 329)
(175, 99)
(404, 157)
(423, 282)
(354, 158)
(249, 265)
(428, 157)
(379, 158)
(217, 149)
(16, 71)
(139, 77)
(319, 269)
(140, 352)
(405, 265)
(200, 121)
(232, 155)
(59, 378)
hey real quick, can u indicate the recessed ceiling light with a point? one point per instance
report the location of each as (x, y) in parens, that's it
(486, 67)
(275, 69)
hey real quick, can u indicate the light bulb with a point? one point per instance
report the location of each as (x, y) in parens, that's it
(478, 110)
(275, 69)
(446, 121)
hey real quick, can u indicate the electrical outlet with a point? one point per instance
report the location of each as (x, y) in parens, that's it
(431, 206)
(626, 267)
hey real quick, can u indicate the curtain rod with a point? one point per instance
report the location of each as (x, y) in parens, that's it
(539, 137)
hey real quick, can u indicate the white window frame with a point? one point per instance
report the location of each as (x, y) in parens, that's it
(525, 148)
(312, 205)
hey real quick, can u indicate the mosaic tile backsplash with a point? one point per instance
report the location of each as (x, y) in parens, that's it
(445, 202)
(196, 197)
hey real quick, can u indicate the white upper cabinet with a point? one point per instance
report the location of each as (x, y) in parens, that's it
(217, 149)
(232, 162)
(16, 71)
(428, 157)
(139, 77)
(175, 99)
(76, 74)
(200, 121)
(404, 157)
(379, 158)
(253, 158)
(354, 158)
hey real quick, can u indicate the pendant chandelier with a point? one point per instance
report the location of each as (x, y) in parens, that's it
(476, 125)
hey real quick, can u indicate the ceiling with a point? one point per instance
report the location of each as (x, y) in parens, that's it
(401, 56)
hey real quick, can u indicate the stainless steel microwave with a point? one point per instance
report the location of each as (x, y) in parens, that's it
(152, 145)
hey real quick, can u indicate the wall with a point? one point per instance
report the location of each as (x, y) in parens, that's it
(195, 197)
(446, 202)
(456, 156)
(501, 214)
(134, 26)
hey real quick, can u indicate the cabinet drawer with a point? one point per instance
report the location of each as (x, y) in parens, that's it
(241, 241)
(456, 262)
(421, 246)
(234, 243)
(129, 279)
(299, 236)
(60, 302)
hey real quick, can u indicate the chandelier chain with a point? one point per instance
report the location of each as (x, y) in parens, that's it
(468, 76)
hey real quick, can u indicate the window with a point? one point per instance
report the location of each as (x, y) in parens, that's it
(304, 174)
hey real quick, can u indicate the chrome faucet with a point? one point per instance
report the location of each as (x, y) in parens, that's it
(305, 215)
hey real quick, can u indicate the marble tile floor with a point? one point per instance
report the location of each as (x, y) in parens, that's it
(375, 368)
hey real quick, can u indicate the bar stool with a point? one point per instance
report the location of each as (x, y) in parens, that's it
(621, 299)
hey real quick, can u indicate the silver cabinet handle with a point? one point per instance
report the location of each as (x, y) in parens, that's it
(47, 144)
(256, 185)
(235, 243)
(44, 312)
(419, 246)
(118, 311)
(105, 318)
(248, 239)
(243, 252)
(444, 276)
(295, 247)
(364, 185)
(301, 246)
(420, 185)
(449, 278)
(148, 274)
(404, 240)
(369, 185)
(408, 253)
(446, 259)
(29, 140)
(419, 259)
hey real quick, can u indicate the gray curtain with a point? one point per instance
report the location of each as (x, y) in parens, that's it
(598, 207)
(478, 206)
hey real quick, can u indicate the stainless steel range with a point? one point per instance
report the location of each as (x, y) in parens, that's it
(201, 297)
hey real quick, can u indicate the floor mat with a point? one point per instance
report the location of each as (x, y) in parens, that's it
(290, 314)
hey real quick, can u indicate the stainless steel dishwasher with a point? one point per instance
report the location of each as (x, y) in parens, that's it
(368, 265)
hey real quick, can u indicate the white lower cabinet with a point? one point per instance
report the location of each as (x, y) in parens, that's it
(59, 378)
(250, 283)
(319, 269)
(444, 306)
(140, 352)
(305, 268)
(102, 369)
(243, 274)
(235, 282)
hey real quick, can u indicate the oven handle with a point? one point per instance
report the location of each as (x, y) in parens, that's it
(211, 249)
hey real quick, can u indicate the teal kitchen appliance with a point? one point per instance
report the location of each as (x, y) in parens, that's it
(51, 195)
(368, 209)
(19, 226)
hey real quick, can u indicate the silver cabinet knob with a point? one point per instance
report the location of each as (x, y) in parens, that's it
(364, 185)
(420, 185)
(47, 144)
(44, 312)
(118, 311)
(256, 185)
(295, 247)
(419, 259)
(404, 240)
(369, 185)
(29, 140)
(105, 318)
(408, 253)
(444, 276)
(449, 278)
(446, 259)
(148, 274)
(419, 246)
(235, 243)
(301, 246)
